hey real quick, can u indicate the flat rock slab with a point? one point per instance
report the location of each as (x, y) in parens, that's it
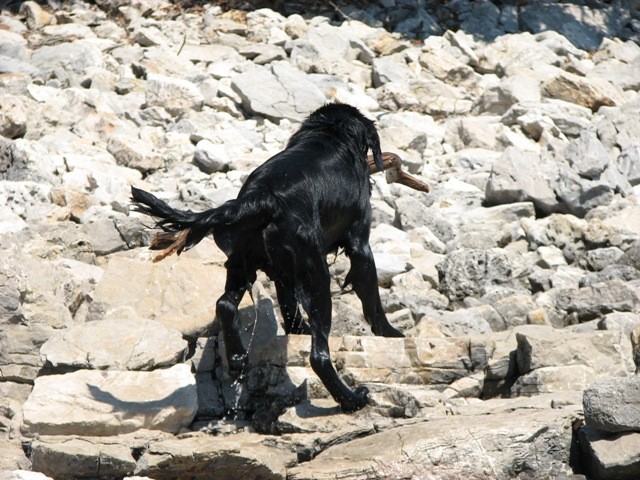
(205, 457)
(605, 352)
(499, 446)
(12, 456)
(613, 404)
(92, 402)
(62, 456)
(611, 456)
(180, 293)
(278, 91)
(116, 345)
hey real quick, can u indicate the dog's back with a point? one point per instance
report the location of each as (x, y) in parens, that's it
(320, 181)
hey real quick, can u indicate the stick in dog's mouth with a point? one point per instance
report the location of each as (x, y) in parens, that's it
(394, 173)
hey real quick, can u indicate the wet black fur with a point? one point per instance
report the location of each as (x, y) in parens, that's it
(308, 200)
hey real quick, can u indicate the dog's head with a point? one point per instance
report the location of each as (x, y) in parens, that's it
(347, 122)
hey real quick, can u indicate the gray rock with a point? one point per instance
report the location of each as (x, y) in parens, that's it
(513, 310)
(517, 89)
(611, 404)
(629, 164)
(13, 458)
(13, 396)
(13, 116)
(523, 176)
(30, 161)
(290, 94)
(458, 323)
(553, 379)
(134, 153)
(550, 256)
(481, 19)
(430, 96)
(210, 402)
(603, 353)
(392, 68)
(625, 322)
(156, 292)
(610, 456)
(555, 230)
(204, 357)
(99, 225)
(601, 258)
(616, 125)
(569, 118)
(583, 26)
(197, 456)
(410, 290)
(37, 17)
(211, 157)
(612, 272)
(414, 214)
(327, 49)
(516, 54)
(445, 66)
(163, 61)
(90, 402)
(587, 156)
(505, 458)
(175, 95)
(66, 61)
(30, 201)
(81, 457)
(115, 345)
(468, 273)
(598, 299)
(578, 195)
(473, 132)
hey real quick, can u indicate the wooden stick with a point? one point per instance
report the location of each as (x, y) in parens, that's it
(394, 173)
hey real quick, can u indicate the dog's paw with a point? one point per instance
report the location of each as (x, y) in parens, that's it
(391, 332)
(237, 364)
(357, 401)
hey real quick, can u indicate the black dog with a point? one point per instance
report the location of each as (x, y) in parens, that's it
(308, 200)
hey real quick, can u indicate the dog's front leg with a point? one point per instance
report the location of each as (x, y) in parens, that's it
(364, 278)
(316, 300)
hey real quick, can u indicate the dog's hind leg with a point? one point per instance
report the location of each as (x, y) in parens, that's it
(293, 322)
(238, 280)
(364, 279)
(314, 294)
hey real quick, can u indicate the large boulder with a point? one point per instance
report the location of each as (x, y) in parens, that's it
(92, 402)
(613, 404)
(115, 345)
(519, 176)
(610, 456)
(468, 273)
(499, 446)
(180, 293)
(201, 456)
(278, 91)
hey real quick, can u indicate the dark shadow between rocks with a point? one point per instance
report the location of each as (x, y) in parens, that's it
(585, 23)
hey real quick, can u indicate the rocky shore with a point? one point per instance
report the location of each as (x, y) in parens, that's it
(516, 280)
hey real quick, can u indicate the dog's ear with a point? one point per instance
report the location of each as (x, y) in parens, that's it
(373, 142)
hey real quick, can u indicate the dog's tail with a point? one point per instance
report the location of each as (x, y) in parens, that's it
(182, 230)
